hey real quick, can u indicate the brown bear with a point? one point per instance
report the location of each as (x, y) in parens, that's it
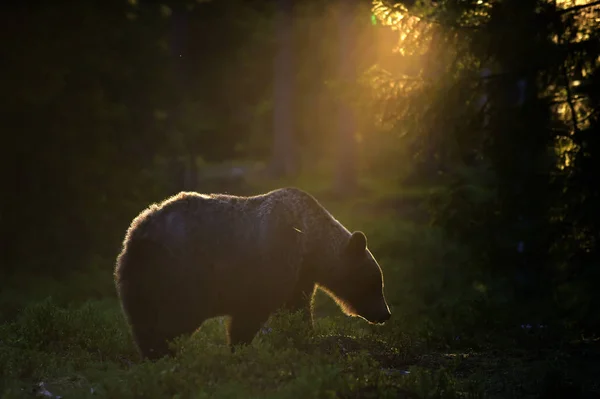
(195, 257)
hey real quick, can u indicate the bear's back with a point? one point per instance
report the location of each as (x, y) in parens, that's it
(196, 217)
(226, 224)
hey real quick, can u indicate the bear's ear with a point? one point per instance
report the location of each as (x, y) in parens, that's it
(357, 243)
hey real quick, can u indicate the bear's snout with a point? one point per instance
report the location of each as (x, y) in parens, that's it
(385, 317)
(378, 314)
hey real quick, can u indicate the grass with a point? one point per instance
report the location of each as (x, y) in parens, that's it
(82, 350)
(85, 351)
(67, 337)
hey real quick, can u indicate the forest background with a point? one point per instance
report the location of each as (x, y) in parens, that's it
(461, 135)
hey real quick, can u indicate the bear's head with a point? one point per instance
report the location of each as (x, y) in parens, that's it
(358, 286)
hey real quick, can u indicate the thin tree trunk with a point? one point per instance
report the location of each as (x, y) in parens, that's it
(178, 52)
(346, 173)
(284, 160)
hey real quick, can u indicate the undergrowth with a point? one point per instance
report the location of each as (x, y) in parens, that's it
(448, 336)
(86, 351)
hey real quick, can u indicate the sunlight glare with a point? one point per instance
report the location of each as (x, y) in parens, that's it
(409, 27)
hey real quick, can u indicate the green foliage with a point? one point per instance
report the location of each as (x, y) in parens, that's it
(47, 341)
(502, 115)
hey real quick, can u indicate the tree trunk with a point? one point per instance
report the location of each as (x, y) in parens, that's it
(179, 34)
(346, 174)
(284, 160)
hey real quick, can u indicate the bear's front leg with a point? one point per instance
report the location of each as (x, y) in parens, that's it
(242, 329)
(302, 296)
(302, 301)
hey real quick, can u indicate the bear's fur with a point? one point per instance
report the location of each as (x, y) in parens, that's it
(195, 256)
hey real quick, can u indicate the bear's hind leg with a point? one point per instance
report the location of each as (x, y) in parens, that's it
(152, 346)
(154, 342)
(156, 320)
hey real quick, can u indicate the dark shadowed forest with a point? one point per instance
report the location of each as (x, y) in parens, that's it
(462, 136)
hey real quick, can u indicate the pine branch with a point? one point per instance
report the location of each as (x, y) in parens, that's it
(570, 101)
(573, 99)
(579, 7)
